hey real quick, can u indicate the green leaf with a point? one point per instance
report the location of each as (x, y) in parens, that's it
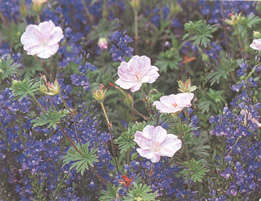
(140, 192)
(23, 88)
(7, 67)
(110, 194)
(51, 117)
(125, 141)
(211, 100)
(194, 170)
(200, 32)
(221, 71)
(81, 162)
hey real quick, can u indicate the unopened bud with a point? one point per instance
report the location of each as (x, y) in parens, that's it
(129, 100)
(23, 8)
(37, 5)
(256, 34)
(103, 43)
(99, 94)
(235, 18)
(175, 8)
(43, 89)
(186, 87)
(14, 82)
(135, 4)
(53, 88)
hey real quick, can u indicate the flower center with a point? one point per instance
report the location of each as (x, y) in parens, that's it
(175, 104)
(155, 147)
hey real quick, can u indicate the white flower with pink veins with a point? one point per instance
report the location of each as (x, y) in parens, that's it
(154, 142)
(174, 103)
(256, 44)
(136, 72)
(42, 40)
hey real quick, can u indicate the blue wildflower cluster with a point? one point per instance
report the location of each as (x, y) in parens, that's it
(238, 129)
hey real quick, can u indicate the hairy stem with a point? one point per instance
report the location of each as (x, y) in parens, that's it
(110, 131)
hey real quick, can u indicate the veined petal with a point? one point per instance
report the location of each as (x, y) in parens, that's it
(170, 146)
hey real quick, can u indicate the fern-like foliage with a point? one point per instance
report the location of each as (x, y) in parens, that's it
(194, 170)
(211, 100)
(110, 194)
(7, 67)
(221, 71)
(81, 162)
(23, 88)
(125, 141)
(140, 192)
(199, 32)
(50, 117)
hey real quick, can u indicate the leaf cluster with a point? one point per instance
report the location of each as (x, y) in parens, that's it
(110, 194)
(194, 170)
(23, 88)
(125, 141)
(141, 192)
(81, 162)
(199, 32)
(211, 100)
(51, 117)
(221, 71)
(7, 67)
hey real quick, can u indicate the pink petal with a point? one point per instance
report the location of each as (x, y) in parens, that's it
(149, 154)
(141, 140)
(170, 146)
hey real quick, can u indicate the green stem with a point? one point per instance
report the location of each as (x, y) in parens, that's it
(136, 30)
(146, 99)
(142, 115)
(73, 115)
(240, 43)
(183, 141)
(87, 12)
(224, 26)
(151, 173)
(110, 131)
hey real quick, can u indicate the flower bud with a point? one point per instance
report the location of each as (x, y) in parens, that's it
(235, 18)
(135, 4)
(14, 82)
(175, 8)
(186, 87)
(43, 89)
(99, 94)
(256, 34)
(37, 5)
(23, 9)
(103, 43)
(53, 88)
(129, 100)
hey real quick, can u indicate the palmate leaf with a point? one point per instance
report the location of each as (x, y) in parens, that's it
(221, 71)
(81, 162)
(51, 117)
(7, 67)
(110, 194)
(125, 141)
(23, 88)
(141, 192)
(194, 170)
(199, 32)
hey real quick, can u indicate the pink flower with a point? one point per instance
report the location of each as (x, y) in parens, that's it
(137, 71)
(42, 40)
(103, 43)
(174, 103)
(256, 44)
(154, 142)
